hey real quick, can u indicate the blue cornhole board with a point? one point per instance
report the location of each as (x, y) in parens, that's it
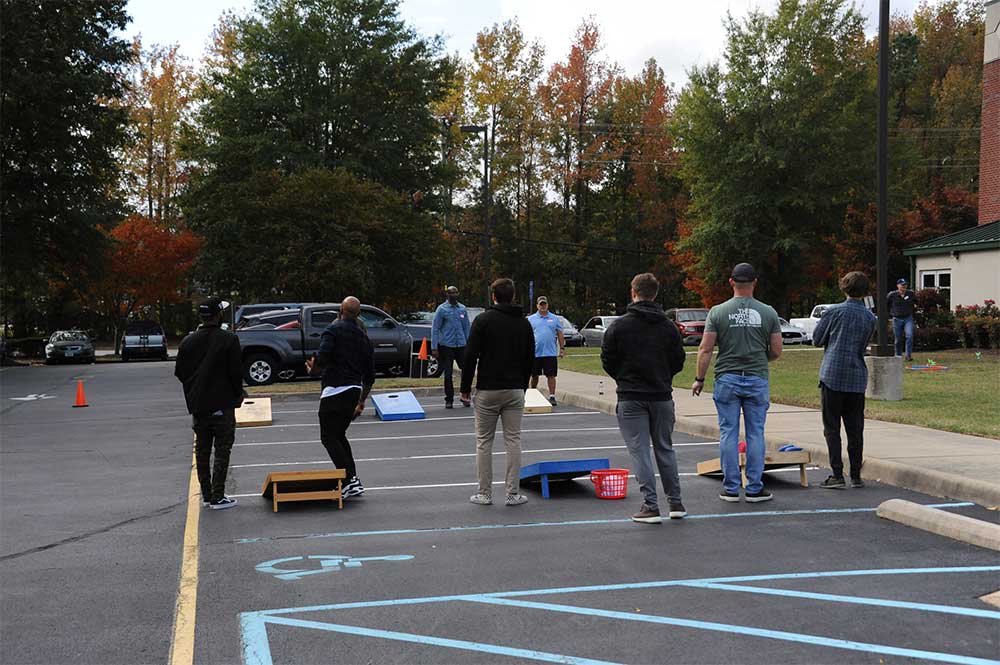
(398, 406)
(561, 470)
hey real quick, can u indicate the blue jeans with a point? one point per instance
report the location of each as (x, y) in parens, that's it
(751, 395)
(899, 326)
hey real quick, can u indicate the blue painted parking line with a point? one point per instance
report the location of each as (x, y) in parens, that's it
(256, 648)
(528, 525)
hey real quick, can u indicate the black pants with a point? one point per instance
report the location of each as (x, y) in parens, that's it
(447, 355)
(849, 407)
(217, 432)
(335, 416)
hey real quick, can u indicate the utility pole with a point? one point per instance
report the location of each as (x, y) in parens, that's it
(882, 258)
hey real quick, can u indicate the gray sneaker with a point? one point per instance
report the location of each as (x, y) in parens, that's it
(515, 500)
(481, 499)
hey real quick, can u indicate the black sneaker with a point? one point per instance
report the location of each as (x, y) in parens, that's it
(449, 405)
(223, 503)
(352, 488)
(647, 515)
(857, 483)
(758, 497)
(729, 497)
(833, 483)
(677, 510)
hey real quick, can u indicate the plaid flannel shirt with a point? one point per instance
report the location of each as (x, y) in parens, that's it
(844, 330)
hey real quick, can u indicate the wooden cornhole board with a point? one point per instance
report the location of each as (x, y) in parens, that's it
(536, 402)
(321, 484)
(256, 411)
(772, 460)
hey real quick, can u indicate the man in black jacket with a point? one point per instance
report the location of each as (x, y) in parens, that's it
(642, 351)
(502, 344)
(211, 371)
(346, 358)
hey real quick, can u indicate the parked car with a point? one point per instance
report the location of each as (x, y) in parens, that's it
(283, 319)
(422, 329)
(570, 333)
(272, 353)
(144, 339)
(593, 330)
(416, 317)
(808, 324)
(791, 334)
(690, 321)
(69, 346)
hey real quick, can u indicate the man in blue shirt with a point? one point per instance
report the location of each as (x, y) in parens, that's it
(549, 345)
(845, 330)
(449, 334)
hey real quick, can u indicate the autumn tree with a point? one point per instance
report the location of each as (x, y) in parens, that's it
(145, 264)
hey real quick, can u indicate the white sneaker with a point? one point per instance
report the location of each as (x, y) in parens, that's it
(515, 499)
(223, 503)
(482, 499)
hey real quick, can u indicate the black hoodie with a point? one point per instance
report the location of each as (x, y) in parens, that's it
(502, 344)
(642, 351)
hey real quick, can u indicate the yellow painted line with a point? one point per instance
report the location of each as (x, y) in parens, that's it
(182, 644)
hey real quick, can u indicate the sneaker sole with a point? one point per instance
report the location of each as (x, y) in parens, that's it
(730, 499)
(677, 514)
(223, 507)
(758, 499)
(833, 487)
(648, 520)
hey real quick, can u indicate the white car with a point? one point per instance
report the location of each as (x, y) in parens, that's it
(808, 324)
(792, 334)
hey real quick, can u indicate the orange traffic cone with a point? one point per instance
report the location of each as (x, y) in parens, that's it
(423, 350)
(81, 398)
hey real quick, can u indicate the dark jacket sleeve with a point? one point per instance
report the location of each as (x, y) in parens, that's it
(369, 374)
(675, 350)
(610, 359)
(529, 354)
(234, 362)
(472, 350)
(324, 354)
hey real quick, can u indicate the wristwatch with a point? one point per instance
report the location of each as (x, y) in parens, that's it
(697, 380)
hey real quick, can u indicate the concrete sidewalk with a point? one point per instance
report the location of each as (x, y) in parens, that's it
(956, 466)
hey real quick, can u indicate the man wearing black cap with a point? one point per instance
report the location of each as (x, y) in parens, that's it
(449, 335)
(211, 371)
(549, 345)
(901, 303)
(749, 335)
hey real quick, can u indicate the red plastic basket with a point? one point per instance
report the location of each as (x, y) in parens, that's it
(610, 483)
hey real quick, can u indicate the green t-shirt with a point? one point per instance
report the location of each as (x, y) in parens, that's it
(744, 326)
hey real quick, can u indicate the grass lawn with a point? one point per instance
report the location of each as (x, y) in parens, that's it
(307, 386)
(964, 399)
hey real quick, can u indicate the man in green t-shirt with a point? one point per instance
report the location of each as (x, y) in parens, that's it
(749, 336)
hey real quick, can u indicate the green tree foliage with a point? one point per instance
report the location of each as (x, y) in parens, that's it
(62, 124)
(770, 144)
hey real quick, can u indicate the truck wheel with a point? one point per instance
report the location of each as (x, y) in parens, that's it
(260, 370)
(124, 356)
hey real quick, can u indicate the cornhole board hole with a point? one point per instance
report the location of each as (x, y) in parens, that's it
(568, 469)
(398, 406)
(254, 412)
(536, 402)
(320, 484)
(772, 460)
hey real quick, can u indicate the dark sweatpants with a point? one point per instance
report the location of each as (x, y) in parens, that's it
(335, 415)
(217, 432)
(849, 407)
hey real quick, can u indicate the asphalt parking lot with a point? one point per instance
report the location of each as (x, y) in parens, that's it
(412, 572)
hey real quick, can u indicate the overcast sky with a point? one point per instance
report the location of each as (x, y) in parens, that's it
(678, 33)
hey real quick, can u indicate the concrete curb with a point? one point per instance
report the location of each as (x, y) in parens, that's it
(928, 481)
(958, 527)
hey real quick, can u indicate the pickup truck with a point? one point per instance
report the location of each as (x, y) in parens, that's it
(281, 352)
(144, 339)
(809, 323)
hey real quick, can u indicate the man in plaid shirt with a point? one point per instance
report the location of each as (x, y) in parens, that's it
(843, 376)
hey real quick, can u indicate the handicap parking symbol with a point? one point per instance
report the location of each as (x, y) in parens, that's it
(328, 563)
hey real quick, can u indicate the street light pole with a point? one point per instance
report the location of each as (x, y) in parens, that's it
(488, 235)
(882, 258)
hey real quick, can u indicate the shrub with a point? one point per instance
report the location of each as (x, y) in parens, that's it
(935, 338)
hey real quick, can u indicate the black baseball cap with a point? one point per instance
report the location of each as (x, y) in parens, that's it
(901, 280)
(212, 306)
(744, 272)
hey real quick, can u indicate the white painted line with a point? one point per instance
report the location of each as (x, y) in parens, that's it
(430, 436)
(428, 420)
(449, 455)
(495, 482)
(436, 407)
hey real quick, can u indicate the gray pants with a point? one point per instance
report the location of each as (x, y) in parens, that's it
(642, 423)
(508, 406)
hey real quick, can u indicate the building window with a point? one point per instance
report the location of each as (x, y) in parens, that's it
(937, 279)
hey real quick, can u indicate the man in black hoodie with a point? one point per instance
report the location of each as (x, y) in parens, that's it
(642, 351)
(502, 344)
(211, 371)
